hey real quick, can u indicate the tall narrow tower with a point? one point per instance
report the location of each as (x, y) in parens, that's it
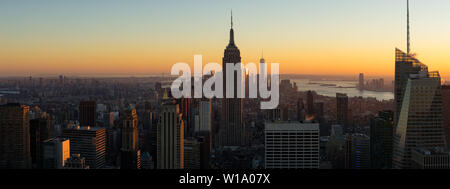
(418, 108)
(130, 153)
(232, 128)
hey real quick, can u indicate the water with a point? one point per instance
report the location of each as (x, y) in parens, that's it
(348, 88)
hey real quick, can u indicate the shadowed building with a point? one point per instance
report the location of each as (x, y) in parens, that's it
(41, 129)
(361, 81)
(76, 162)
(418, 107)
(381, 131)
(232, 128)
(342, 109)
(130, 153)
(55, 152)
(419, 119)
(434, 158)
(14, 137)
(446, 112)
(192, 158)
(88, 113)
(170, 139)
(357, 151)
(89, 142)
(310, 103)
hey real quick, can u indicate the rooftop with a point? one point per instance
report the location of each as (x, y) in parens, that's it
(291, 126)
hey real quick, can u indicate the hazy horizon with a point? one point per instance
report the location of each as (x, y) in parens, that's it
(307, 37)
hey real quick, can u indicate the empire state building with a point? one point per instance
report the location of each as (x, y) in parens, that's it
(232, 128)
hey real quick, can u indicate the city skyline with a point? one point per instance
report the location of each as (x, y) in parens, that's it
(143, 37)
(226, 120)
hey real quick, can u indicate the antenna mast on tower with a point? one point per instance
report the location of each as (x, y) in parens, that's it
(407, 25)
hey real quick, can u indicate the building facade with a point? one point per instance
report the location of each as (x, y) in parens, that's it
(14, 137)
(55, 152)
(89, 142)
(434, 158)
(170, 139)
(381, 132)
(342, 109)
(232, 128)
(292, 145)
(357, 151)
(420, 122)
(88, 113)
(130, 152)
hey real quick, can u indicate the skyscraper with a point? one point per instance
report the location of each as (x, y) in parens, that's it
(342, 109)
(186, 111)
(205, 116)
(292, 145)
(405, 64)
(170, 139)
(35, 144)
(88, 113)
(300, 110)
(41, 129)
(361, 81)
(232, 128)
(335, 147)
(418, 103)
(89, 142)
(55, 152)
(381, 131)
(310, 102)
(14, 137)
(319, 109)
(205, 122)
(130, 153)
(262, 68)
(420, 118)
(357, 151)
(446, 112)
(192, 156)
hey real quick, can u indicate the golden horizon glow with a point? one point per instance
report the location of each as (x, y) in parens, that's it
(325, 38)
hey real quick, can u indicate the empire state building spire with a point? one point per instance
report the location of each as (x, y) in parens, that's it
(231, 30)
(231, 19)
(232, 126)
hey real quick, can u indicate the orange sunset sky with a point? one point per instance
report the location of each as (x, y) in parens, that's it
(139, 37)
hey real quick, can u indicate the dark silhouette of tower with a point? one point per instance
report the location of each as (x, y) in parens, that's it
(88, 113)
(381, 132)
(14, 137)
(446, 112)
(130, 153)
(300, 110)
(232, 126)
(310, 102)
(40, 130)
(342, 109)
